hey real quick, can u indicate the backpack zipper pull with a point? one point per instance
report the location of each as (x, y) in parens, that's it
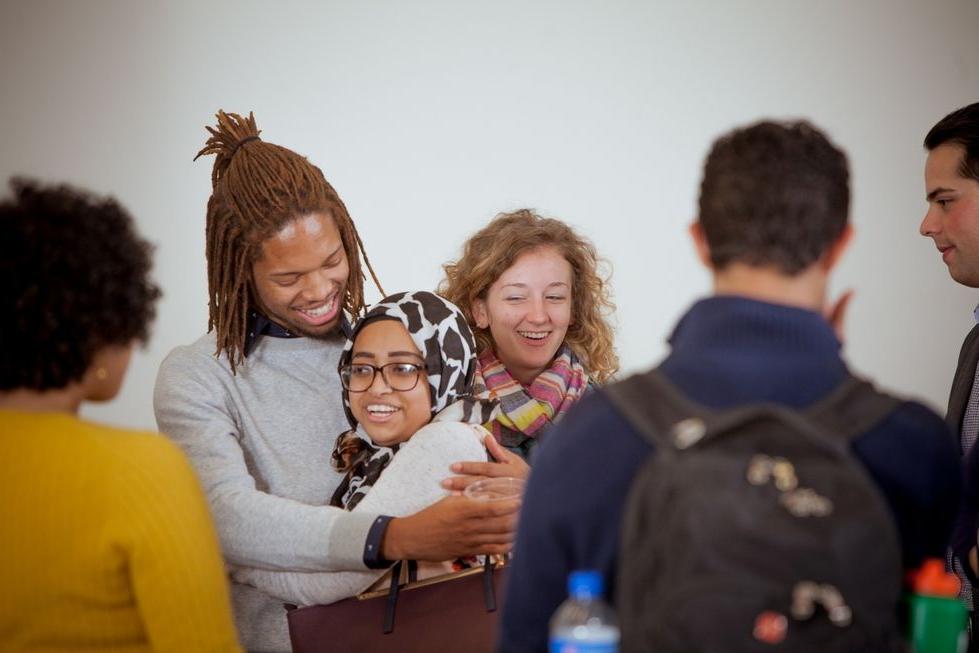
(688, 432)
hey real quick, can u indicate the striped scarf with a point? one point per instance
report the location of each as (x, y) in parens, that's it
(525, 410)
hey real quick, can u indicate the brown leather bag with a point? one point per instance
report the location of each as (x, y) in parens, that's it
(452, 612)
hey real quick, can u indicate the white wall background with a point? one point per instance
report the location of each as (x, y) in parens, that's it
(430, 117)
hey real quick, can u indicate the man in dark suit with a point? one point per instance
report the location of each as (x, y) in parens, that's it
(952, 221)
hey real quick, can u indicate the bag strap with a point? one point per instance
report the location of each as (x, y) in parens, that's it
(653, 405)
(656, 407)
(853, 408)
(392, 603)
(489, 589)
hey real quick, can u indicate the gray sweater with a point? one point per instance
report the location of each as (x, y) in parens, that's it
(260, 443)
(411, 482)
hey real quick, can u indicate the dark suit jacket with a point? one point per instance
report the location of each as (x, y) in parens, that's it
(967, 522)
(965, 372)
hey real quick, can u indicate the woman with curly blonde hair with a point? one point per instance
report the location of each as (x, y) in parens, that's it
(538, 305)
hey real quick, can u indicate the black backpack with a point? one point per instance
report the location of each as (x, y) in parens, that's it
(755, 529)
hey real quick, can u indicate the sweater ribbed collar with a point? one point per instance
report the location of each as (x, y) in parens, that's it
(733, 322)
(731, 350)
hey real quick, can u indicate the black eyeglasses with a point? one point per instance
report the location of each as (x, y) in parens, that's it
(401, 377)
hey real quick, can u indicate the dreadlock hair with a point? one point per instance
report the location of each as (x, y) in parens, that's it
(258, 188)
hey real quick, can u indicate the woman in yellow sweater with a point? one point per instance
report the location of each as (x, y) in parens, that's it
(107, 542)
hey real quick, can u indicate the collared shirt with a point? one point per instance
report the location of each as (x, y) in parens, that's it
(260, 325)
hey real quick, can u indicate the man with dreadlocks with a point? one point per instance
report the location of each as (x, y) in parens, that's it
(255, 403)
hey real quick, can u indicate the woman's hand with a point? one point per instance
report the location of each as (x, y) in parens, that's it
(504, 463)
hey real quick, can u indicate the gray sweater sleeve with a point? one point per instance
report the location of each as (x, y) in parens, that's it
(195, 408)
(411, 482)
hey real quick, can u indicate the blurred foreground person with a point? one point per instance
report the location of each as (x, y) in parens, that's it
(108, 543)
(713, 504)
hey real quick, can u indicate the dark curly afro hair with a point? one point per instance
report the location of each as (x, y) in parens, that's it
(74, 278)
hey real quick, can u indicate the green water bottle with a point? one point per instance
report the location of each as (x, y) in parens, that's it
(937, 620)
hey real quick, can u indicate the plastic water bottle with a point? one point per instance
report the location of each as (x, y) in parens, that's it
(584, 623)
(936, 618)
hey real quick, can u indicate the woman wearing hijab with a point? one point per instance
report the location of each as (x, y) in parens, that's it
(407, 373)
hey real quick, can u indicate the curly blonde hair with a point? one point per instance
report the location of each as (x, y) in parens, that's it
(497, 246)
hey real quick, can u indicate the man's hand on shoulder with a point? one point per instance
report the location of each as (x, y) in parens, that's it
(454, 527)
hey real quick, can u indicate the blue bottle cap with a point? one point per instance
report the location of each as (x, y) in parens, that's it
(585, 584)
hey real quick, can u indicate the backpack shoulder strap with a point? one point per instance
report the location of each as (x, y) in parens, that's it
(853, 408)
(652, 405)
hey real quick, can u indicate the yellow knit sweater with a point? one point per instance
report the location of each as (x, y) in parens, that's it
(106, 543)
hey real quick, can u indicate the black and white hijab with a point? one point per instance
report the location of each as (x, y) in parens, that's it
(442, 335)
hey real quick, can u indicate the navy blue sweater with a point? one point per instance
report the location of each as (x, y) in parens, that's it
(725, 351)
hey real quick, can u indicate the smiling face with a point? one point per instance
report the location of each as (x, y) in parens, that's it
(952, 220)
(389, 416)
(528, 311)
(301, 276)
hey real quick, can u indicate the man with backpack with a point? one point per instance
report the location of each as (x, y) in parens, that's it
(748, 492)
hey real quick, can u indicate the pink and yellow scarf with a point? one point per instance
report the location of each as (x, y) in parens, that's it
(525, 410)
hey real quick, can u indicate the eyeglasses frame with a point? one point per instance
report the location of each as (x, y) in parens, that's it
(380, 368)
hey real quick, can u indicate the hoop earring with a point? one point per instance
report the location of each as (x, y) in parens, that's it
(101, 374)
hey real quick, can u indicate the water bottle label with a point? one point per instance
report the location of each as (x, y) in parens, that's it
(578, 646)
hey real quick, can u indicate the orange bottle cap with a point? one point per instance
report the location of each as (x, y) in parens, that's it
(933, 580)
